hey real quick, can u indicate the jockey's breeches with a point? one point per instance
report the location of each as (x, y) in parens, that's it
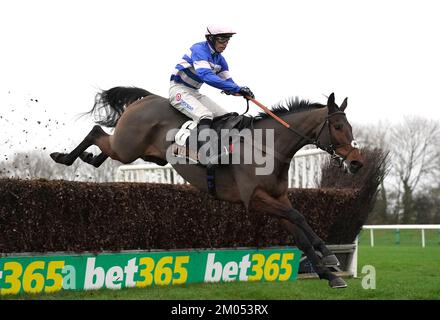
(193, 104)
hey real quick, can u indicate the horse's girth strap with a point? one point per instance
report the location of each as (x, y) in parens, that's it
(210, 176)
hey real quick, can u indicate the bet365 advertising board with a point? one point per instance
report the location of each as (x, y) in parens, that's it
(54, 272)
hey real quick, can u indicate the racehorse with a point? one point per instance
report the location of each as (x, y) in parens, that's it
(142, 119)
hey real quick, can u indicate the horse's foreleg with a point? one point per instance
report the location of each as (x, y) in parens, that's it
(329, 259)
(304, 244)
(294, 223)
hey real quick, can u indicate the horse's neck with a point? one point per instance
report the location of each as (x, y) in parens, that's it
(307, 123)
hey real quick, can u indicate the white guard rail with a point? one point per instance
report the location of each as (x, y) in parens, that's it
(305, 171)
(399, 227)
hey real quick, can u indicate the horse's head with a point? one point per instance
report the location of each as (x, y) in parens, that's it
(338, 139)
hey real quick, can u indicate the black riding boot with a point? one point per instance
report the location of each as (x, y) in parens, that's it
(214, 158)
(203, 124)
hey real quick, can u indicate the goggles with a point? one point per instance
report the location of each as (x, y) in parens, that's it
(222, 39)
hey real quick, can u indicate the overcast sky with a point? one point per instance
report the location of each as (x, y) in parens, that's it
(383, 55)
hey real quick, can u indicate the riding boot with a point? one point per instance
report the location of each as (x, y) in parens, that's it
(218, 153)
(203, 124)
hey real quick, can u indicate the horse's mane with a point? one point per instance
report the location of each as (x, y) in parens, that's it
(291, 105)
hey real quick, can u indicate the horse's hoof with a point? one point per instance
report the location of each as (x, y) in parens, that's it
(86, 157)
(56, 156)
(330, 261)
(60, 158)
(337, 283)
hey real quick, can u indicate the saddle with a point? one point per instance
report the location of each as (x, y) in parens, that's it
(229, 121)
(181, 146)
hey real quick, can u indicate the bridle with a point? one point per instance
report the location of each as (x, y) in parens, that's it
(331, 147)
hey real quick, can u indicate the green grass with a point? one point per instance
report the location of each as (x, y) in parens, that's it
(402, 272)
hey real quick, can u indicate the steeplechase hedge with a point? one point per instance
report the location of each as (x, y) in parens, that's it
(41, 215)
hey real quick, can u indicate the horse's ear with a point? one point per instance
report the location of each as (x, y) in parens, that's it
(332, 107)
(343, 105)
(331, 99)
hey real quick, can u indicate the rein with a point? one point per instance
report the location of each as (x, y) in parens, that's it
(330, 148)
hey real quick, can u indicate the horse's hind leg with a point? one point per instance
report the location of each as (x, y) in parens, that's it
(96, 136)
(90, 158)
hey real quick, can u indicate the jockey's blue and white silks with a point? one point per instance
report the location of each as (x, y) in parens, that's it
(203, 65)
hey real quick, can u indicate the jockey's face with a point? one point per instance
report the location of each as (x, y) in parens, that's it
(221, 43)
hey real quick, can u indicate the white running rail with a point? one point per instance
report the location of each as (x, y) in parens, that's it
(304, 172)
(398, 227)
(305, 168)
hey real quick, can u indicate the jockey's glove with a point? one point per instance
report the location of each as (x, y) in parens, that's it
(246, 92)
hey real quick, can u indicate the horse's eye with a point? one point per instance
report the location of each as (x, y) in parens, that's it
(338, 126)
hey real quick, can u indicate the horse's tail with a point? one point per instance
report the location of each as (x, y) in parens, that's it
(110, 104)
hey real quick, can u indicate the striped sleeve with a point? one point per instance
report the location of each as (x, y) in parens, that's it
(224, 74)
(206, 73)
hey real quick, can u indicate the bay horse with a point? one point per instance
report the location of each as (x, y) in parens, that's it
(141, 121)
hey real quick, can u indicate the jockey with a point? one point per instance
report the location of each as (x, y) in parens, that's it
(204, 63)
